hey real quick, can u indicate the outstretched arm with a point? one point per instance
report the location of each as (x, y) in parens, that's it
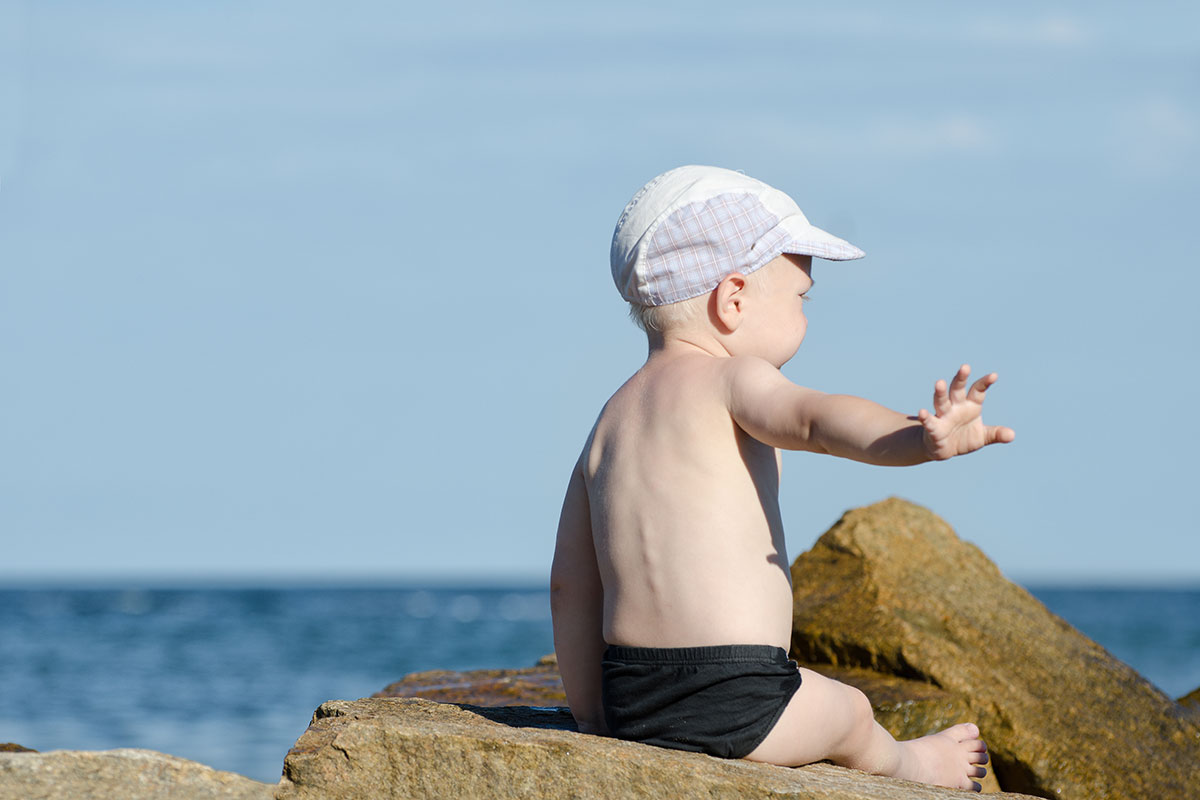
(777, 412)
(577, 608)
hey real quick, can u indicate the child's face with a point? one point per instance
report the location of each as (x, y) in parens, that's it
(777, 323)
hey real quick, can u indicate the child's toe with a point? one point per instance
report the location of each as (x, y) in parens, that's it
(965, 731)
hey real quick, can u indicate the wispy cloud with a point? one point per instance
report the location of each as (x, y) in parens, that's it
(961, 133)
(1049, 31)
(1158, 135)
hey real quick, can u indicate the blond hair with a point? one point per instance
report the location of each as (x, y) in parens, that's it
(659, 319)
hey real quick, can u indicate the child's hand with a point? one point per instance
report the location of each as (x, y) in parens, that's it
(956, 426)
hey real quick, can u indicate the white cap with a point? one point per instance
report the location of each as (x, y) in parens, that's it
(685, 230)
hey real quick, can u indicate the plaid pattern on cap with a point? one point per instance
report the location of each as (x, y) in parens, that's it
(705, 240)
(688, 228)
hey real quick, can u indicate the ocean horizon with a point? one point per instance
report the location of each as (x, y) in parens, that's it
(228, 673)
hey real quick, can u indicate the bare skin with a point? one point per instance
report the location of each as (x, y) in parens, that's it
(671, 535)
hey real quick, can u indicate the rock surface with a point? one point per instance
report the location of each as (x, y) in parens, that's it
(124, 774)
(890, 588)
(907, 708)
(534, 686)
(416, 748)
(1191, 700)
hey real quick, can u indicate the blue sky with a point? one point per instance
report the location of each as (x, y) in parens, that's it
(295, 291)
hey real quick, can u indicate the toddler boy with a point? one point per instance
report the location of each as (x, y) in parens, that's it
(670, 590)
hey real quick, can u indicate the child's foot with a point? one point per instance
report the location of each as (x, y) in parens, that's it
(951, 758)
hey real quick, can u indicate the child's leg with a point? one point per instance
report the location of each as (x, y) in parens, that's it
(830, 720)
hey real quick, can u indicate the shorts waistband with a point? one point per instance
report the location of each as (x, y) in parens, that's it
(707, 654)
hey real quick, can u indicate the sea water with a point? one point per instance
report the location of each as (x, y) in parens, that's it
(230, 677)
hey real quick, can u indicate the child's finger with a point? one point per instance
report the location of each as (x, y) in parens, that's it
(929, 422)
(958, 387)
(941, 398)
(981, 386)
(999, 434)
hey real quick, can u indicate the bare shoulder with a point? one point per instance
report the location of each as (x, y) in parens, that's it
(748, 368)
(745, 377)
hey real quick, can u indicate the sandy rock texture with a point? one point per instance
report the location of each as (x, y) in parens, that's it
(416, 748)
(890, 588)
(119, 775)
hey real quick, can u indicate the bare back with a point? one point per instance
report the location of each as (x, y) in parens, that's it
(684, 514)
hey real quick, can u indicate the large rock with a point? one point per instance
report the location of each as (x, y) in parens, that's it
(124, 774)
(416, 748)
(890, 588)
(1191, 700)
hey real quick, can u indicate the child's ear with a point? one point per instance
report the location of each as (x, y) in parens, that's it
(729, 298)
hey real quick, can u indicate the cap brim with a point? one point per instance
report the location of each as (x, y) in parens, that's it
(807, 240)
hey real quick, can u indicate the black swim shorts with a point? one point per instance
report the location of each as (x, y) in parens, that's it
(722, 700)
